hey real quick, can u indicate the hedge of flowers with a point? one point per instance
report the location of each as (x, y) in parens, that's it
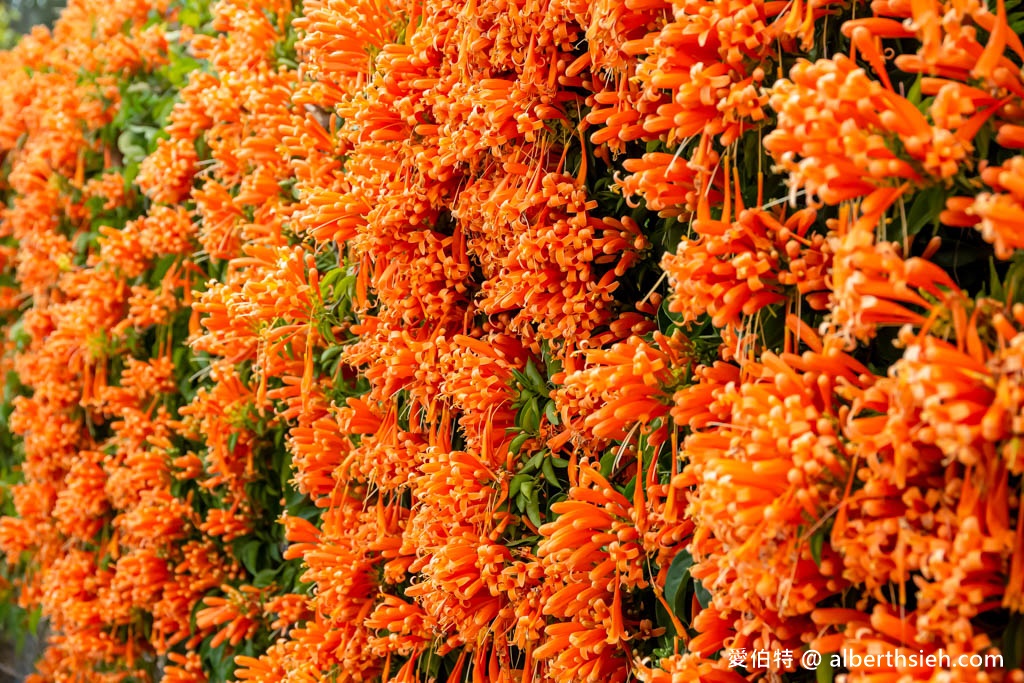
(514, 340)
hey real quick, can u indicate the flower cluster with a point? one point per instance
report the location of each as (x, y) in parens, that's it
(513, 341)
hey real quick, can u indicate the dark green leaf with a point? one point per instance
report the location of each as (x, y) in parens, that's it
(607, 463)
(703, 594)
(817, 543)
(264, 578)
(678, 575)
(533, 510)
(537, 383)
(551, 413)
(516, 484)
(630, 488)
(330, 353)
(247, 555)
(924, 209)
(530, 416)
(518, 441)
(534, 463)
(548, 470)
(1012, 642)
(825, 673)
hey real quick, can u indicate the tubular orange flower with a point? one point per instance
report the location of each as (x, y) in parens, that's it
(396, 280)
(622, 387)
(873, 284)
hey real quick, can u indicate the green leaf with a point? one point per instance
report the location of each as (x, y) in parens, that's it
(533, 510)
(537, 383)
(163, 110)
(703, 594)
(925, 207)
(264, 578)
(534, 463)
(817, 543)
(1012, 642)
(33, 621)
(548, 469)
(137, 87)
(190, 17)
(530, 416)
(329, 279)
(248, 555)
(346, 287)
(607, 463)
(1011, 288)
(431, 664)
(516, 484)
(521, 380)
(914, 94)
(551, 413)
(525, 540)
(678, 575)
(666, 319)
(983, 139)
(517, 443)
(160, 268)
(331, 353)
(552, 363)
(288, 577)
(825, 673)
(630, 488)
(130, 149)
(995, 283)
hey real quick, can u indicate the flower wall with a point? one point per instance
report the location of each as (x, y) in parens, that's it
(514, 340)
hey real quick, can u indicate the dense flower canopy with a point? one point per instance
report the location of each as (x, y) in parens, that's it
(514, 340)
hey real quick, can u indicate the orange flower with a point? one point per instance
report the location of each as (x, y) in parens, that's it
(592, 555)
(623, 388)
(737, 268)
(236, 614)
(999, 214)
(166, 175)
